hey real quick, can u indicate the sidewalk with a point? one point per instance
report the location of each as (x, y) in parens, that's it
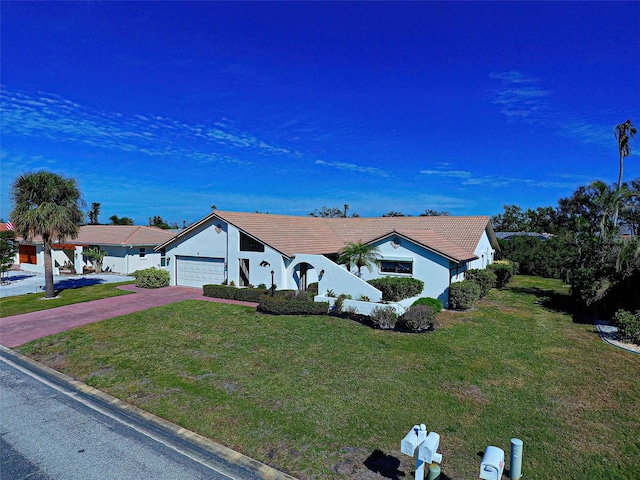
(19, 329)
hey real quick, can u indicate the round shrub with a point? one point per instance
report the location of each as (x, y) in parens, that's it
(628, 326)
(462, 295)
(485, 279)
(152, 278)
(504, 271)
(432, 302)
(384, 317)
(418, 318)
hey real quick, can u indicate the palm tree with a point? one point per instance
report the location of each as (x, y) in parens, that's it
(622, 132)
(359, 254)
(48, 205)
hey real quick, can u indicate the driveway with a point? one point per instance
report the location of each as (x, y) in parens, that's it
(19, 329)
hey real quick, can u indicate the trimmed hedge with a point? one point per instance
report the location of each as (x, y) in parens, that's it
(485, 279)
(152, 278)
(233, 293)
(397, 288)
(462, 295)
(219, 291)
(283, 306)
(434, 303)
(418, 318)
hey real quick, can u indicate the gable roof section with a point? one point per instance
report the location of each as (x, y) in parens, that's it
(453, 237)
(432, 241)
(121, 235)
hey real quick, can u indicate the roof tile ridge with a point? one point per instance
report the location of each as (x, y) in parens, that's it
(129, 239)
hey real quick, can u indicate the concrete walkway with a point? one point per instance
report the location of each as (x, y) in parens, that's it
(19, 329)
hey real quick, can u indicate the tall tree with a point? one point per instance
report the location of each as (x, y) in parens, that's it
(48, 205)
(623, 132)
(93, 213)
(359, 254)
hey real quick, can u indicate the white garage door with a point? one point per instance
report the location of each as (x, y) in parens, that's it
(199, 271)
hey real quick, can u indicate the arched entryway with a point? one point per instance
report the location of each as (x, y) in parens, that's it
(304, 274)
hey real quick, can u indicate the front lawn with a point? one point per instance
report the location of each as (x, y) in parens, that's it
(322, 397)
(34, 302)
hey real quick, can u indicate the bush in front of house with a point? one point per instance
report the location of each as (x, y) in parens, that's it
(284, 306)
(463, 295)
(219, 291)
(397, 288)
(418, 318)
(151, 278)
(384, 317)
(628, 326)
(432, 302)
(249, 294)
(504, 270)
(485, 279)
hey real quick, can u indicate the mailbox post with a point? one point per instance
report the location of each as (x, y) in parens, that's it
(410, 444)
(417, 441)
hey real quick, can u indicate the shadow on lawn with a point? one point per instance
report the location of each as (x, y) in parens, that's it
(387, 466)
(556, 301)
(76, 283)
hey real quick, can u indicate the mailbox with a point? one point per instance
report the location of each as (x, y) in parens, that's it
(492, 464)
(413, 439)
(427, 452)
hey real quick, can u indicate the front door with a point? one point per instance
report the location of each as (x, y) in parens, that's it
(244, 272)
(303, 276)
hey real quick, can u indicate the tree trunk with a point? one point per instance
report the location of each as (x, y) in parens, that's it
(48, 270)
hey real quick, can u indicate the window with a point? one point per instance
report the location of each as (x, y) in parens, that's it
(248, 244)
(164, 261)
(405, 267)
(143, 252)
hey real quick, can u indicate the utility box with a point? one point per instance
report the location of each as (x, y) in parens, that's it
(492, 464)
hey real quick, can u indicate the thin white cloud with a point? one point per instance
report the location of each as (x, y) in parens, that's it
(353, 168)
(54, 118)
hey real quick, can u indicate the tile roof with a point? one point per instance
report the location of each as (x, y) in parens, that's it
(118, 235)
(453, 237)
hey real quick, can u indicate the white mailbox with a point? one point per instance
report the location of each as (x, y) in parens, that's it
(427, 452)
(492, 464)
(413, 439)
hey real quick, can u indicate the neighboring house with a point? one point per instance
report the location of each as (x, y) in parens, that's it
(129, 248)
(292, 252)
(509, 235)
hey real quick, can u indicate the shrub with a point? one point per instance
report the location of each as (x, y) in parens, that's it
(152, 278)
(219, 291)
(504, 270)
(462, 295)
(312, 288)
(262, 286)
(628, 326)
(418, 318)
(283, 306)
(432, 302)
(338, 303)
(397, 288)
(485, 279)
(384, 317)
(249, 294)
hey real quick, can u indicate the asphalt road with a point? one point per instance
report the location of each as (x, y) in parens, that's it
(49, 433)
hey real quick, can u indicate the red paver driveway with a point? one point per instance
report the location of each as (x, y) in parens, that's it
(19, 329)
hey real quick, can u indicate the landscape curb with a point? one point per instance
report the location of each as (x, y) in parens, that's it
(241, 466)
(605, 337)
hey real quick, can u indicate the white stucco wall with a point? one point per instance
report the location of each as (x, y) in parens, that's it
(485, 253)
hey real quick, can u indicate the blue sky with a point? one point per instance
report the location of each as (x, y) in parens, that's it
(162, 108)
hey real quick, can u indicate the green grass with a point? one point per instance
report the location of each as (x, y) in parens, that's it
(319, 396)
(35, 302)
